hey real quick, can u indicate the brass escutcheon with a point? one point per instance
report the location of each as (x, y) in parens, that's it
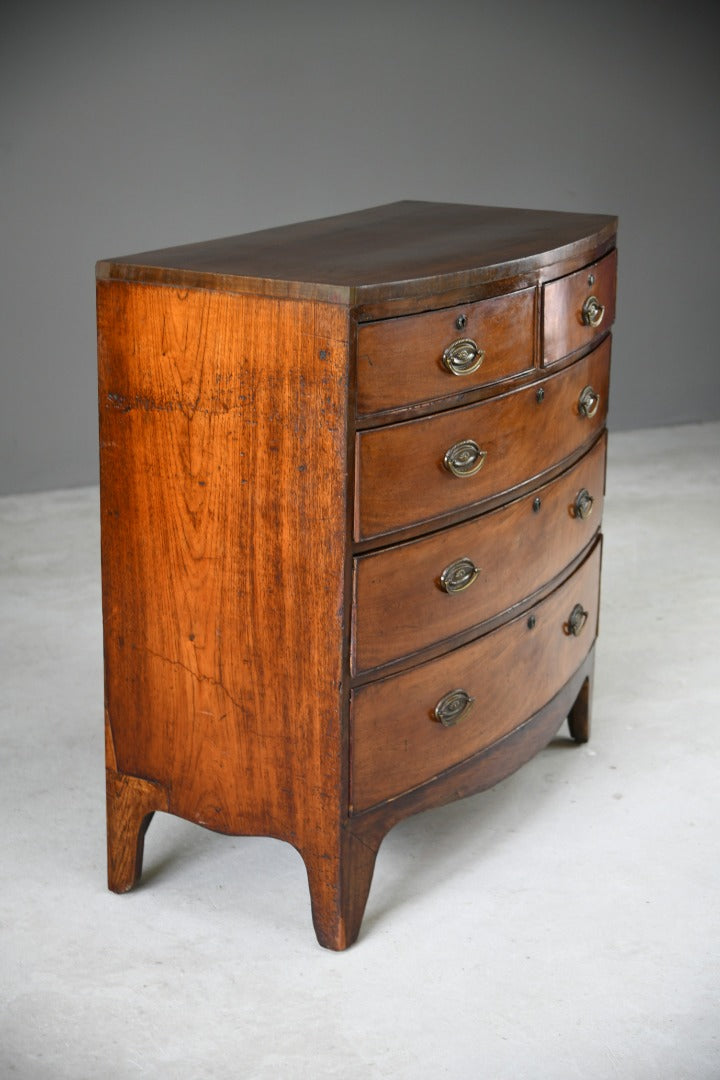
(453, 707)
(463, 357)
(464, 458)
(592, 312)
(459, 575)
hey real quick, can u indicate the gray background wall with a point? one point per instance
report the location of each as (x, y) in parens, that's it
(128, 126)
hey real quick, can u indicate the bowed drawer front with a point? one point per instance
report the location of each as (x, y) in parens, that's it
(578, 308)
(437, 354)
(352, 480)
(412, 595)
(413, 472)
(400, 735)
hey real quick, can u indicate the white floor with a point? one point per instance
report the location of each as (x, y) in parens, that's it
(565, 924)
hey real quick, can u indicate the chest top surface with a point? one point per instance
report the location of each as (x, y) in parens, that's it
(403, 249)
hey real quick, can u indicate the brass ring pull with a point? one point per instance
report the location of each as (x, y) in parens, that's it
(463, 357)
(592, 312)
(588, 402)
(583, 504)
(576, 621)
(464, 458)
(453, 707)
(459, 575)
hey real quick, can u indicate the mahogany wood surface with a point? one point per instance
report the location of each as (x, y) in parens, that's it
(366, 830)
(399, 361)
(563, 328)
(396, 742)
(401, 476)
(218, 681)
(408, 248)
(488, 767)
(579, 715)
(258, 579)
(400, 606)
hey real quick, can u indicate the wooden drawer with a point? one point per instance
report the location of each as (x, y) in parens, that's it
(402, 476)
(411, 359)
(510, 673)
(402, 603)
(570, 319)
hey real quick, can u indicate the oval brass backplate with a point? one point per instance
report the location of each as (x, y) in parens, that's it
(592, 312)
(453, 707)
(582, 507)
(458, 575)
(464, 458)
(588, 401)
(463, 357)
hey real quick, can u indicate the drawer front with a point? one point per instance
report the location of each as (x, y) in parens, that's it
(424, 591)
(421, 357)
(578, 308)
(397, 743)
(404, 476)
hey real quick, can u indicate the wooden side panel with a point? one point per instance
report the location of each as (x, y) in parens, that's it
(224, 509)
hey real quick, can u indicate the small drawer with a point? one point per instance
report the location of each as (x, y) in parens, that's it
(416, 471)
(416, 358)
(578, 308)
(412, 595)
(408, 728)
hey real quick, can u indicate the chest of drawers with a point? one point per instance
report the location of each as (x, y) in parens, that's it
(352, 474)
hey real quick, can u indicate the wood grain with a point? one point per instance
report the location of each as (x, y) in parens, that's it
(563, 328)
(511, 673)
(486, 768)
(401, 478)
(399, 605)
(224, 507)
(248, 463)
(384, 253)
(399, 361)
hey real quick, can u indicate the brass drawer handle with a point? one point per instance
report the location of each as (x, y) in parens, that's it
(459, 575)
(463, 357)
(583, 504)
(453, 708)
(464, 458)
(588, 402)
(576, 621)
(592, 312)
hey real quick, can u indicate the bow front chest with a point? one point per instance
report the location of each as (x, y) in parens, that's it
(352, 476)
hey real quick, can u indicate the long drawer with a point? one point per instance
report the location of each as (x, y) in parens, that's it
(408, 728)
(414, 594)
(416, 471)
